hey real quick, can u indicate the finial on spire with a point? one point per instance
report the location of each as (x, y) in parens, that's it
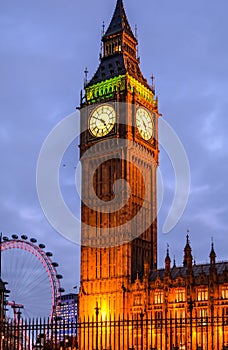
(136, 32)
(212, 248)
(188, 231)
(119, 22)
(152, 83)
(212, 243)
(103, 28)
(102, 34)
(167, 249)
(174, 261)
(137, 47)
(86, 76)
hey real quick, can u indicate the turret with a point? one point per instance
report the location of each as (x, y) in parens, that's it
(167, 262)
(187, 255)
(213, 270)
(212, 255)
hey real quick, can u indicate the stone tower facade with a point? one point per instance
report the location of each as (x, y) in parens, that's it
(119, 157)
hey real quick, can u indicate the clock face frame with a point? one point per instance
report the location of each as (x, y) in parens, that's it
(144, 123)
(102, 120)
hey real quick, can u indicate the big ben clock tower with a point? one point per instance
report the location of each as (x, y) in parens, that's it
(119, 158)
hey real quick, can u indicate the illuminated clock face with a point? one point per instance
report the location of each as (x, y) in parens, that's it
(144, 123)
(102, 120)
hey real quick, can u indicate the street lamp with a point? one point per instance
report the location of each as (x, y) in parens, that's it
(97, 313)
(141, 317)
(190, 308)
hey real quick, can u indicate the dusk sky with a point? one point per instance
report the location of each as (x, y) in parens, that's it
(45, 46)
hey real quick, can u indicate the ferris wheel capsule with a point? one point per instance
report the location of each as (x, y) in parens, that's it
(49, 254)
(42, 246)
(24, 237)
(59, 277)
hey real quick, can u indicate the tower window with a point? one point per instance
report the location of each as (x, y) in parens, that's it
(137, 300)
(203, 314)
(225, 293)
(202, 294)
(158, 297)
(100, 264)
(180, 295)
(96, 265)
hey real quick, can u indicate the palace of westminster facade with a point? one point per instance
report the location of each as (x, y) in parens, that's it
(120, 276)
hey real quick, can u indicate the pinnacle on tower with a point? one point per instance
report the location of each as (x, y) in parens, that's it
(167, 260)
(212, 254)
(118, 54)
(167, 253)
(119, 22)
(187, 253)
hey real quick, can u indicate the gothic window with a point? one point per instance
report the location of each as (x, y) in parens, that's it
(109, 263)
(202, 294)
(203, 314)
(100, 264)
(158, 297)
(137, 300)
(112, 262)
(180, 295)
(225, 293)
(96, 265)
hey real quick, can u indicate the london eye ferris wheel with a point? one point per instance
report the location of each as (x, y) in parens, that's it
(31, 277)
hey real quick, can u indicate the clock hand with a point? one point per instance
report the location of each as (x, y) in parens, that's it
(101, 120)
(144, 123)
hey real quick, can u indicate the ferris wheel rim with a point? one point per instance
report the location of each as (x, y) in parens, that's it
(46, 262)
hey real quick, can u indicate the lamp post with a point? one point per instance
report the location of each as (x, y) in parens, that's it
(97, 313)
(141, 318)
(190, 308)
(212, 325)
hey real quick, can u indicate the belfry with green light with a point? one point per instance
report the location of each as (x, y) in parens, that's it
(119, 69)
